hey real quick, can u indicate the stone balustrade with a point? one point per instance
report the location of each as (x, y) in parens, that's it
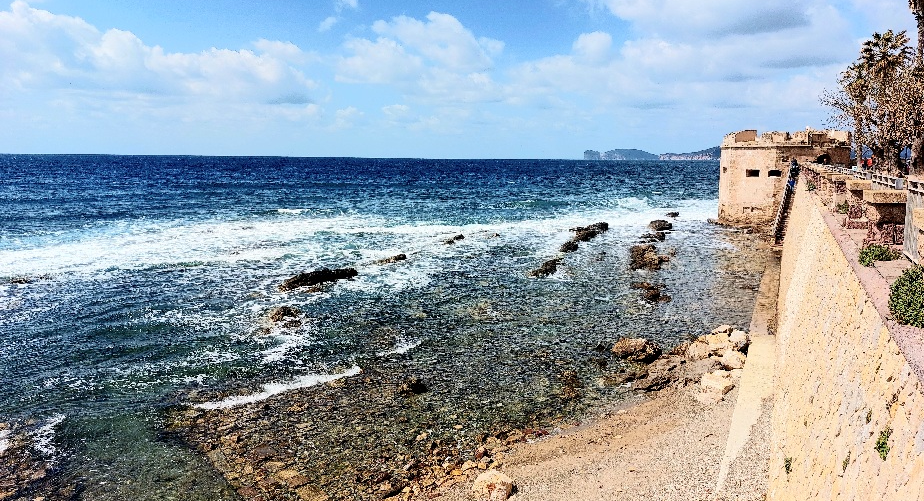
(885, 210)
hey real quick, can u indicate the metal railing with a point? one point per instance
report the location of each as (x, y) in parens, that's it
(777, 228)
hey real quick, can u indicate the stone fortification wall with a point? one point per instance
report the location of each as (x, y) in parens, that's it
(848, 419)
(754, 169)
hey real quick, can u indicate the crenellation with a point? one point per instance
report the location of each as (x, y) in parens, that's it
(755, 168)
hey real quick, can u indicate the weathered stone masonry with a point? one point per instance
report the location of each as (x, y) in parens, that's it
(848, 387)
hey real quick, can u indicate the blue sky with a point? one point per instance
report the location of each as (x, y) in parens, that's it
(437, 79)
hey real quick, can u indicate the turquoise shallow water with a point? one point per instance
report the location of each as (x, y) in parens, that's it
(132, 284)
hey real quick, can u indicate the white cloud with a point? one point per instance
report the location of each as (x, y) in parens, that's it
(327, 24)
(681, 18)
(437, 60)
(593, 47)
(443, 41)
(48, 52)
(383, 61)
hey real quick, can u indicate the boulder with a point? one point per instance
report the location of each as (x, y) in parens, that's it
(317, 277)
(718, 381)
(697, 351)
(636, 350)
(454, 239)
(660, 225)
(680, 350)
(717, 343)
(723, 329)
(739, 340)
(645, 257)
(492, 485)
(732, 359)
(548, 268)
(391, 260)
(281, 313)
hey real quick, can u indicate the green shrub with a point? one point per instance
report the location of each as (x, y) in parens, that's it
(882, 443)
(810, 186)
(787, 465)
(906, 297)
(842, 208)
(876, 252)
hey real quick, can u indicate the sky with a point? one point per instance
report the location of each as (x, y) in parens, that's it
(419, 79)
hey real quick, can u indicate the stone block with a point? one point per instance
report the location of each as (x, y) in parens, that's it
(917, 218)
(885, 196)
(718, 381)
(732, 359)
(859, 185)
(739, 340)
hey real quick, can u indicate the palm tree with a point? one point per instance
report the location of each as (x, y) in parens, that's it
(885, 53)
(917, 146)
(917, 8)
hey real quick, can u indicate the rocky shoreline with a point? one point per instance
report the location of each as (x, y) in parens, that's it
(288, 448)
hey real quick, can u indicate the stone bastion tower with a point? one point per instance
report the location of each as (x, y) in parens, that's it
(754, 170)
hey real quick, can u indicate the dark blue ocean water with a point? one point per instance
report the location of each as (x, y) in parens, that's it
(129, 284)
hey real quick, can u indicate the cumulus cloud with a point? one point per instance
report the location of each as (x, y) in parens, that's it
(437, 59)
(45, 51)
(442, 40)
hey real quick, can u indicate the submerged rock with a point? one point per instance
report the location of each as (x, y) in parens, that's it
(673, 214)
(454, 239)
(636, 350)
(657, 236)
(281, 313)
(651, 292)
(391, 260)
(548, 268)
(317, 277)
(412, 386)
(645, 257)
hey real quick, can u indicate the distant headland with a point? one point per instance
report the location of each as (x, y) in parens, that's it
(632, 154)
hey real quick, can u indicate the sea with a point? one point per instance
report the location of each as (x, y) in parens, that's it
(131, 286)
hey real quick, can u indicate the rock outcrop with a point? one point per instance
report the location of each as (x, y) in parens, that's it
(584, 234)
(548, 268)
(317, 277)
(638, 350)
(454, 239)
(645, 257)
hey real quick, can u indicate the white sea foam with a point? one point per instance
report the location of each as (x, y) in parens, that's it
(303, 241)
(4, 440)
(43, 438)
(400, 348)
(271, 389)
